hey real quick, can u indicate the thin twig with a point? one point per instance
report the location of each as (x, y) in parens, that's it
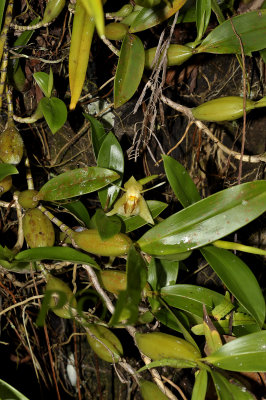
(187, 112)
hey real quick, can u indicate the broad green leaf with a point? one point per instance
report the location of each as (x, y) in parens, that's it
(183, 186)
(169, 362)
(110, 156)
(6, 170)
(200, 385)
(213, 339)
(107, 226)
(173, 318)
(227, 390)
(94, 9)
(135, 222)
(56, 253)
(149, 17)
(54, 111)
(76, 183)
(191, 298)
(238, 279)
(80, 211)
(8, 392)
(203, 13)
(207, 220)
(42, 80)
(247, 353)
(128, 300)
(129, 69)
(97, 133)
(251, 27)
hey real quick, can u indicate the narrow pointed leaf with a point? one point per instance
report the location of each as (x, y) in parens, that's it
(2, 8)
(8, 392)
(6, 170)
(80, 211)
(82, 34)
(239, 279)
(56, 253)
(129, 70)
(247, 353)
(207, 220)
(111, 156)
(54, 111)
(128, 300)
(227, 390)
(76, 183)
(183, 186)
(149, 17)
(191, 298)
(97, 134)
(200, 386)
(94, 9)
(251, 27)
(203, 13)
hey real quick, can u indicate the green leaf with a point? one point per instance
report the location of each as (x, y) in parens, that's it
(97, 133)
(18, 267)
(263, 55)
(107, 226)
(135, 222)
(110, 156)
(161, 273)
(6, 170)
(128, 300)
(227, 390)
(149, 17)
(247, 353)
(42, 80)
(207, 220)
(21, 41)
(169, 362)
(8, 392)
(191, 298)
(251, 27)
(76, 183)
(183, 186)
(2, 8)
(200, 385)
(203, 13)
(129, 69)
(79, 210)
(239, 280)
(54, 111)
(56, 253)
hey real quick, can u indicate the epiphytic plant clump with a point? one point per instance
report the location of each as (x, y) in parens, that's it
(96, 250)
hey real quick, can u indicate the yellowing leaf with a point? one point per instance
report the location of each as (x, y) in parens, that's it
(94, 9)
(82, 33)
